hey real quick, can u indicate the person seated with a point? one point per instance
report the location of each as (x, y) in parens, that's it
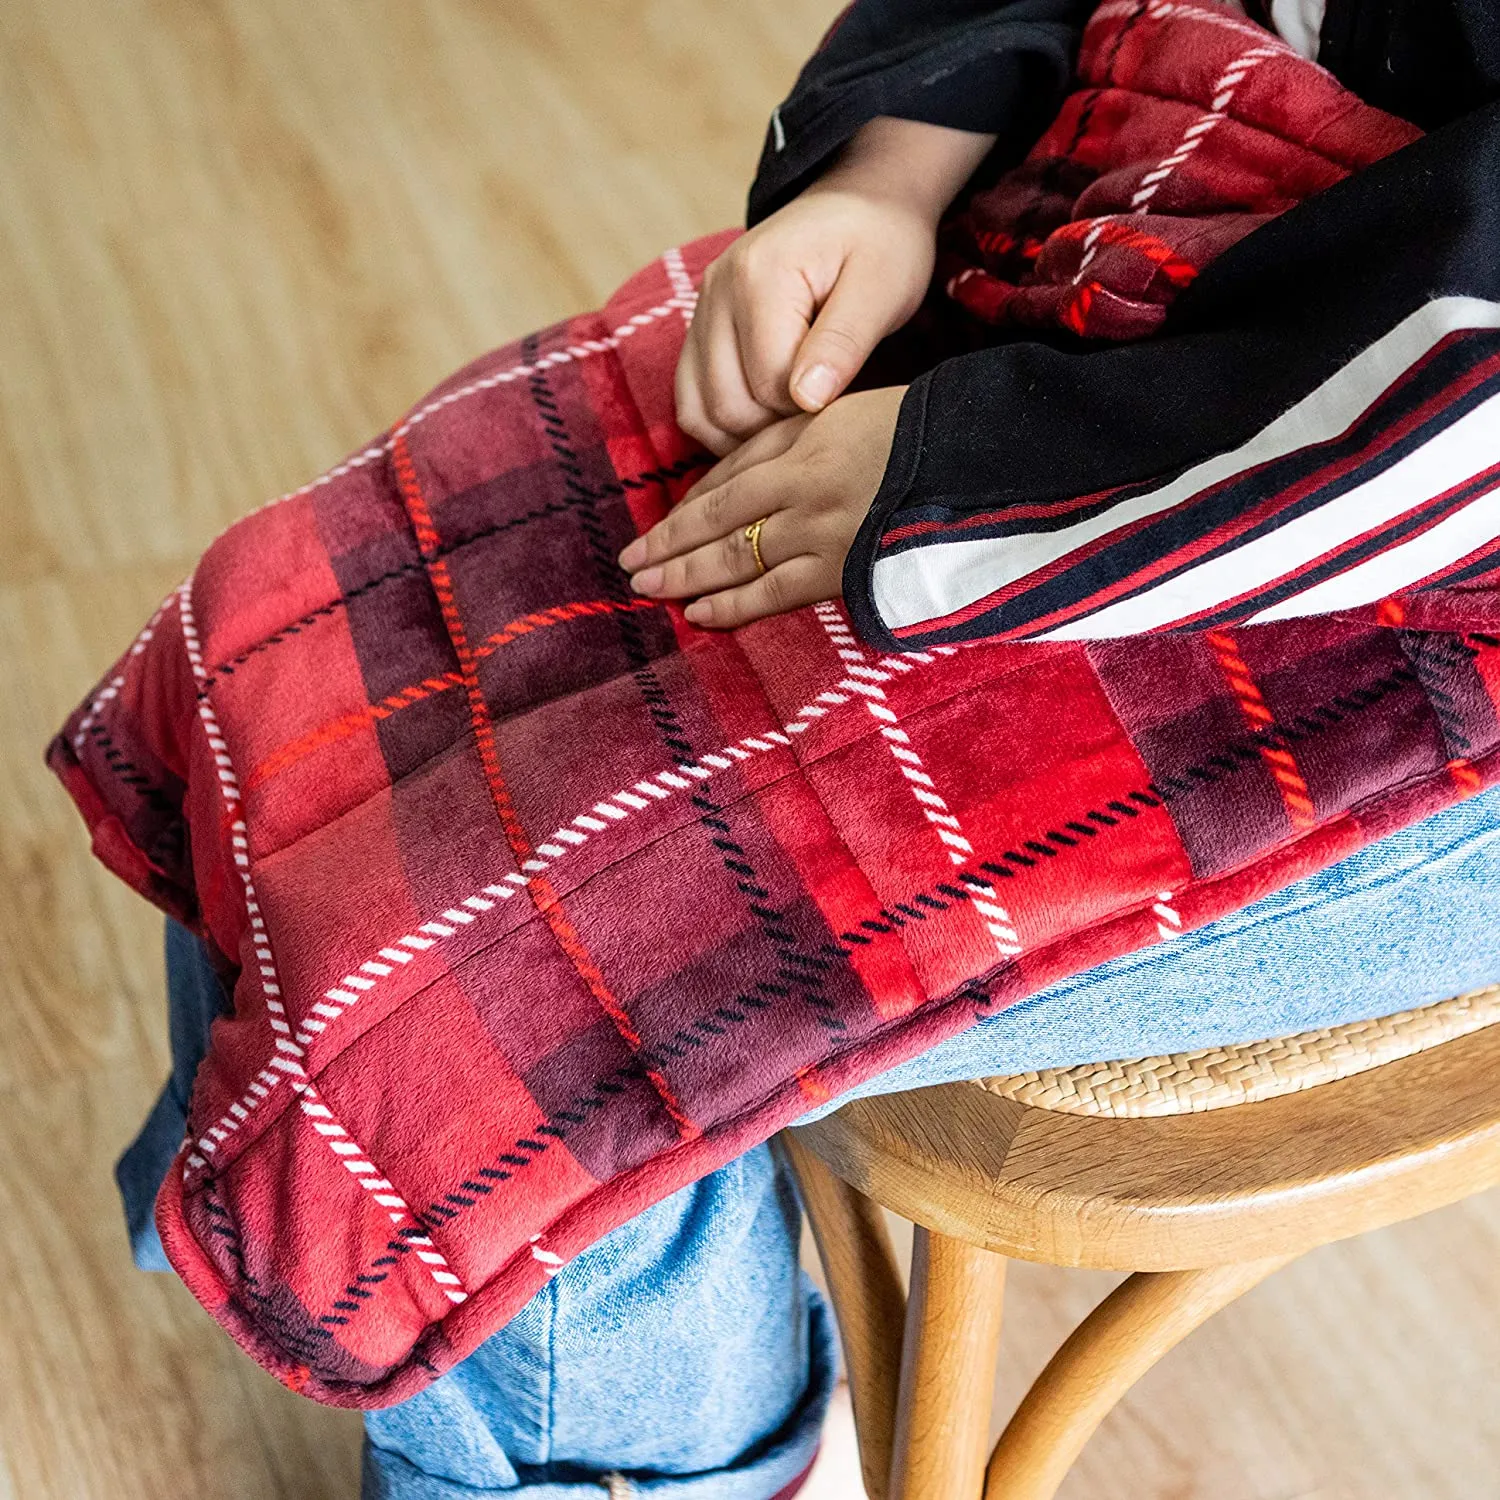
(934, 252)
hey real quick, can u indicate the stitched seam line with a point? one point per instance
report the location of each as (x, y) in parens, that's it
(664, 475)
(484, 735)
(974, 991)
(333, 730)
(1229, 117)
(565, 354)
(734, 857)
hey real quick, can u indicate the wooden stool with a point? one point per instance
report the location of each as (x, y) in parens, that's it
(1141, 1167)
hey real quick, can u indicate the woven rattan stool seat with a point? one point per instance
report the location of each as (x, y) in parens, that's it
(1215, 1077)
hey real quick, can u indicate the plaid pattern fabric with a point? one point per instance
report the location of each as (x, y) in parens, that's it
(542, 904)
(1189, 127)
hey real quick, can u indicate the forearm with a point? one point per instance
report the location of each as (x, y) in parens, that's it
(922, 166)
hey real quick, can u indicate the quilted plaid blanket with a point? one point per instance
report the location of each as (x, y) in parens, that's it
(541, 904)
(1080, 237)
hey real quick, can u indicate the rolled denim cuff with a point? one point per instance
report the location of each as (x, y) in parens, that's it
(770, 1470)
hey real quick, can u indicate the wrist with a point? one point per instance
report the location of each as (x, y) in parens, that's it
(918, 166)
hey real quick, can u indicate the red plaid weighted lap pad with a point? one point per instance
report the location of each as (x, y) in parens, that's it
(542, 904)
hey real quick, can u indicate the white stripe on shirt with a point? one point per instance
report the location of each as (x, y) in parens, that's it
(934, 580)
(1453, 455)
(1398, 568)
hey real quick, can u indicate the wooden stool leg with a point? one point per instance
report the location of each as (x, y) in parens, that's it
(868, 1299)
(947, 1369)
(1107, 1353)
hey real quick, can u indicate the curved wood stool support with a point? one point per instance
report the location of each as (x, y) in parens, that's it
(1143, 1318)
(1200, 1206)
(947, 1369)
(860, 1266)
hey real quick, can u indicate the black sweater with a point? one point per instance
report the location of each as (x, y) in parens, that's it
(1344, 359)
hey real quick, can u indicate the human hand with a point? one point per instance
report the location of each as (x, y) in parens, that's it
(808, 479)
(789, 313)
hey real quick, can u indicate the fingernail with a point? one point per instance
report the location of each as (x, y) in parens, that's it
(634, 555)
(648, 580)
(700, 612)
(815, 387)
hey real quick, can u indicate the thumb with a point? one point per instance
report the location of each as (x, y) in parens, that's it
(855, 316)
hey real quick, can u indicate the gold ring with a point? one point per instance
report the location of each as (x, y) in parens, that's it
(752, 535)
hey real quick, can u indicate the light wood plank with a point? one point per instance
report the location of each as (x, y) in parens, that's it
(118, 1384)
(1141, 1321)
(239, 239)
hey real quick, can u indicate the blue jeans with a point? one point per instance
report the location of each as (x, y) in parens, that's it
(688, 1356)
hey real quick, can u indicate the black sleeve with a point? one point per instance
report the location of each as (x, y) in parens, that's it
(1429, 61)
(1001, 69)
(1315, 430)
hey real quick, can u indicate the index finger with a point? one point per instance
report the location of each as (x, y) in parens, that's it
(694, 523)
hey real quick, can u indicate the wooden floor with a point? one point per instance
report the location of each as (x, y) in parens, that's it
(235, 239)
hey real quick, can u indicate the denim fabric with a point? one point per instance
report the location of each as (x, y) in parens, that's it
(685, 1350)
(1406, 921)
(194, 998)
(687, 1353)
